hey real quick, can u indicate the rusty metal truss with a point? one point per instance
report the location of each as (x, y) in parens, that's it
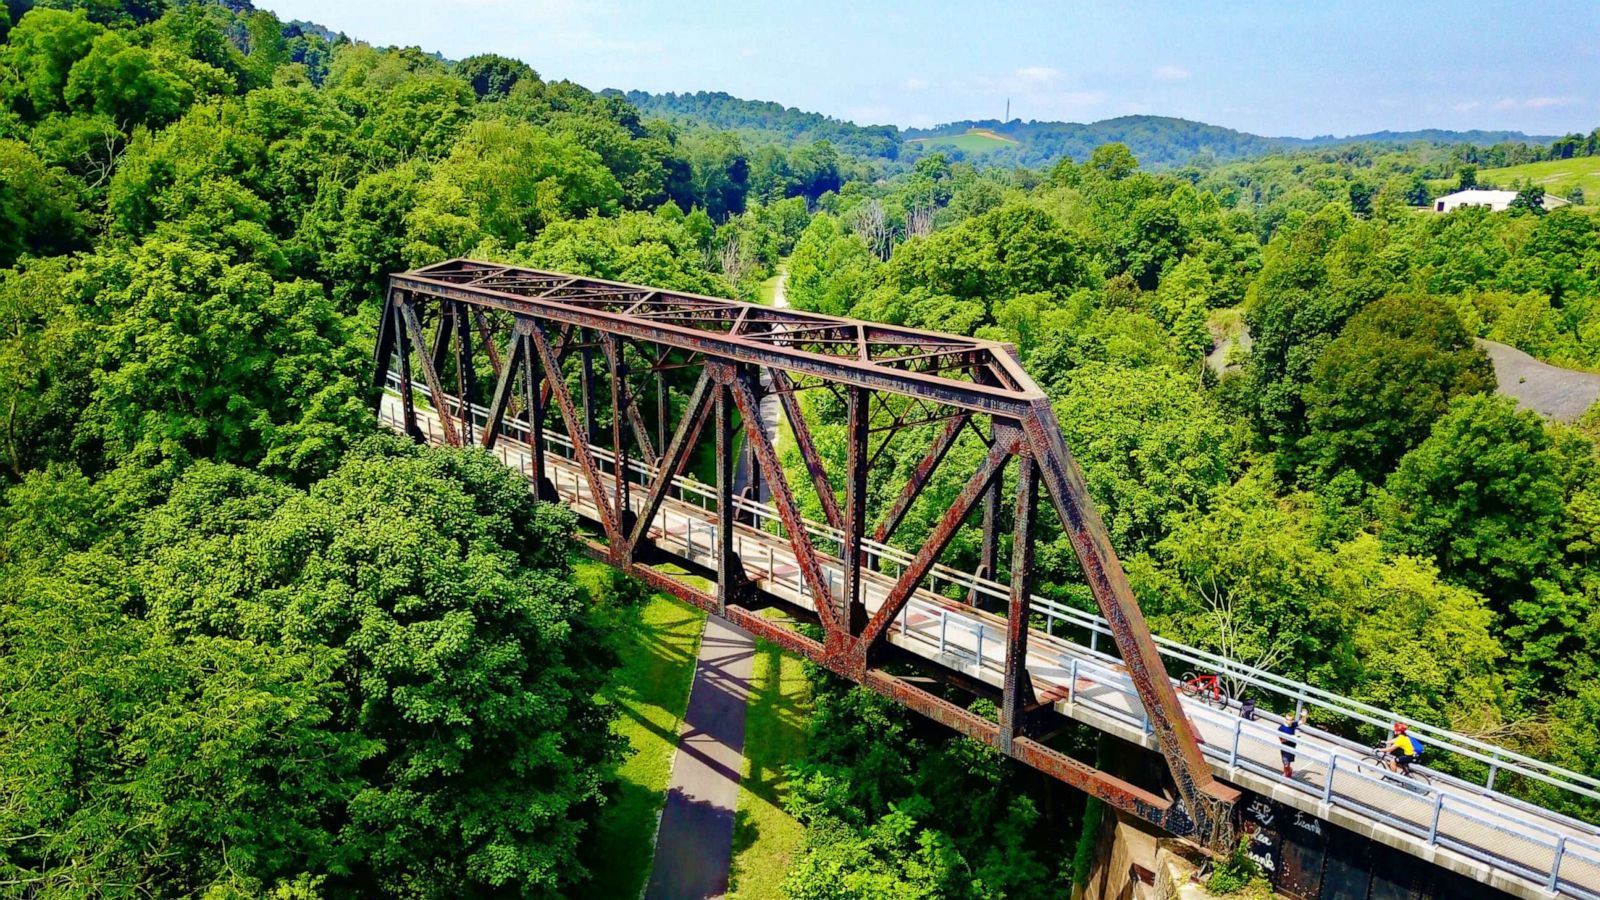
(642, 373)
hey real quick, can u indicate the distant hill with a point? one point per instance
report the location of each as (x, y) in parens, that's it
(766, 122)
(1158, 141)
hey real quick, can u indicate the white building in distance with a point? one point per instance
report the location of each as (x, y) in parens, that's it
(1497, 201)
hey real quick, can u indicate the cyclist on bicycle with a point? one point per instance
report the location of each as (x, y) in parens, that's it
(1402, 750)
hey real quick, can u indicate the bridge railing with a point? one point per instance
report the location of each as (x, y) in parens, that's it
(1058, 614)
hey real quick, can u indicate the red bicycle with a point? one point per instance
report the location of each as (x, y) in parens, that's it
(1205, 688)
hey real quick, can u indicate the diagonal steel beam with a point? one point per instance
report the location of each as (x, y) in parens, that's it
(1206, 797)
(942, 534)
(677, 451)
(575, 432)
(486, 335)
(430, 373)
(784, 386)
(738, 383)
(919, 478)
(503, 389)
(408, 403)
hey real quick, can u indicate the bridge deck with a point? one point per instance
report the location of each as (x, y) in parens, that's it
(1519, 848)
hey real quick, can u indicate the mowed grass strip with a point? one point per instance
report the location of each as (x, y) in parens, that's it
(971, 142)
(765, 837)
(658, 643)
(1556, 176)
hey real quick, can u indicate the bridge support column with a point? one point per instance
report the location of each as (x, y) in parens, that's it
(1018, 687)
(466, 373)
(728, 571)
(532, 371)
(855, 514)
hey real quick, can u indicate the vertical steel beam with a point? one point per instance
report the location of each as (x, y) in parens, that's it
(755, 470)
(1018, 687)
(408, 403)
(661, 410)
(855, 518)
(441, 334)
(466, 372)
(989, 556)
(617, 371)
(533, 393)
(727, 521)
(383, 355)
(586, 338)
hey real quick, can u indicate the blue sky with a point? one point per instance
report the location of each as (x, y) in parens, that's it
(1279, 68)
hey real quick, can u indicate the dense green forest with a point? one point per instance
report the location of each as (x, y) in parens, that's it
(248, 645)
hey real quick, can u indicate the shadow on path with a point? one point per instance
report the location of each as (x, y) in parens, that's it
(694, 845)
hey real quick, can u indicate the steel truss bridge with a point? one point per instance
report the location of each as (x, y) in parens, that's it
(616, 444)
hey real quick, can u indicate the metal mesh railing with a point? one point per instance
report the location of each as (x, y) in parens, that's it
(1551, 850)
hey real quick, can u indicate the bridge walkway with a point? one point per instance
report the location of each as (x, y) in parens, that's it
(1471, 829)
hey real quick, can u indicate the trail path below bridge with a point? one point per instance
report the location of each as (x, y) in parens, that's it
(694, 842)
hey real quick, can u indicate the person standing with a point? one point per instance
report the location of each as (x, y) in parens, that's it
(1286, 731)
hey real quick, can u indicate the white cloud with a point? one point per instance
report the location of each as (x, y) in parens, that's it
(1531, 102)
(913, 83)
(1038, 74)
(1466, 106)
(749, 52)
(1173, 73)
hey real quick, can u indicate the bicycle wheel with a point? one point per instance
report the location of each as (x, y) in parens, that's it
(1186, 685)
(1218, 697)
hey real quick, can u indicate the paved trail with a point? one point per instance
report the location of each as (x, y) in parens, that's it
(1560, 394)
(694, 845)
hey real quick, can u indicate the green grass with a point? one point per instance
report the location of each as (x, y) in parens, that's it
(658, 643)
(977, 140)
(769, 288)
(1556, 176)
(766, 837)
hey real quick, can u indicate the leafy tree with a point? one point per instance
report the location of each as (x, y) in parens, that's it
(1378, 387)
(38, 206)
(1467, 178)
(42, 49)
(127, 83)
(1530, 200)
(1482, 495)
(201, 356)
(288, 719)
(1113, 161)
(1151, 445)
(504, 182)
(493, 76)
(45, 357)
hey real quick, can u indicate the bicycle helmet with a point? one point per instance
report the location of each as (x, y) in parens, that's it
(1400, 728)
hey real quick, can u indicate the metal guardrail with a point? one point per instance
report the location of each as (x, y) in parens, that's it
(1453, 818)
